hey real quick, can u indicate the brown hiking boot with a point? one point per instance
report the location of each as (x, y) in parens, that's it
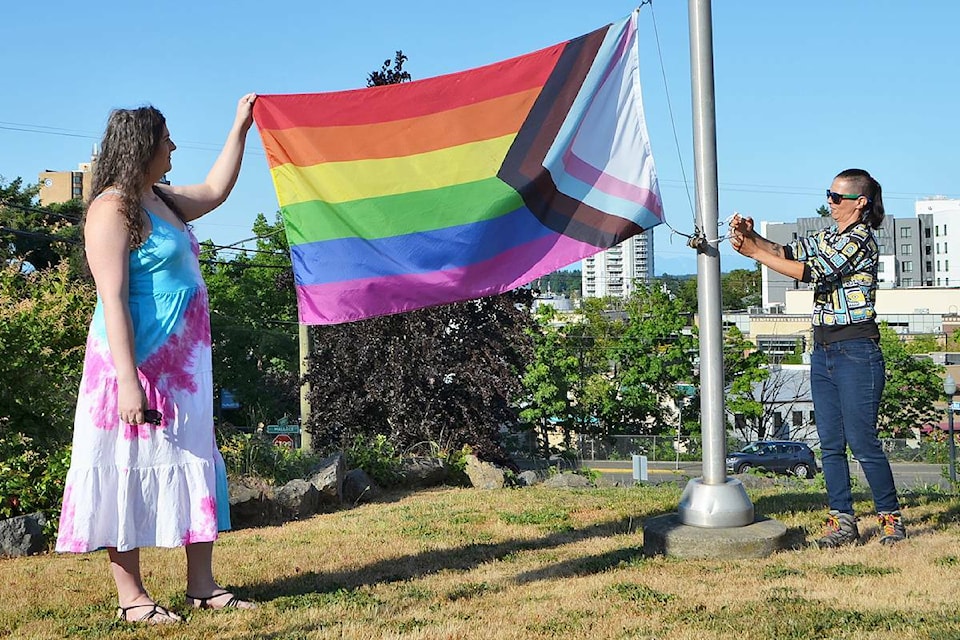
(840, 529)
(891, 527)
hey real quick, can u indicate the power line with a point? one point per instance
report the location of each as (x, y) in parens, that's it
(247, 265)
(34, 234)
(217, 247)
(45, 212)
(73, 133)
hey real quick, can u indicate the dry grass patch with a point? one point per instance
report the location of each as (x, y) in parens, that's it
(525, 564)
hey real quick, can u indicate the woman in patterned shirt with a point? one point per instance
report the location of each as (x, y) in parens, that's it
(846, 368)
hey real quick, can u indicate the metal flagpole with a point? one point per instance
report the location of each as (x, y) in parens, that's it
(713, 500)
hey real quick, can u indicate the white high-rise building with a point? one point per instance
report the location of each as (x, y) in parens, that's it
(941, 231)
(615, 271)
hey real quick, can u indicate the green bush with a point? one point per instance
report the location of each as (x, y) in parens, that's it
(246, 454)
(377, 457)
(31, 480)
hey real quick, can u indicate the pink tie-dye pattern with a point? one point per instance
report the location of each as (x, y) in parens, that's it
(207, 531)
(163, 372)
(66, 536)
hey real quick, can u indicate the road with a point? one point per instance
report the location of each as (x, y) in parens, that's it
(906, 474)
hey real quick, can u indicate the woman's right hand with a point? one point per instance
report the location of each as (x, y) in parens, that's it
(741, 224)
(131, 402)
(742, 235)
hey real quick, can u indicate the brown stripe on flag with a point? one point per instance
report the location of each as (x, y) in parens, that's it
(523, 170)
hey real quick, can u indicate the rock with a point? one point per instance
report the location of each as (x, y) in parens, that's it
(484, 475)
(528, 478)
(252, 504)
(298, 499)
(23, 535)
(420, 472)
(327, 477)
(567, 480)
(359, 487)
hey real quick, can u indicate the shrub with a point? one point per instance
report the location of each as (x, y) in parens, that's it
(31, 479)
(246, 454)
(377, 457)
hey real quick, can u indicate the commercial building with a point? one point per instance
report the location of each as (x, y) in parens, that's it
(61, 186)
(914, 252)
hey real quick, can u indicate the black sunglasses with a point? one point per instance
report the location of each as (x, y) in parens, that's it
(152, 416)
(836, 198)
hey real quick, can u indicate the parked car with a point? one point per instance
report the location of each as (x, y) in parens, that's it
(779, 456)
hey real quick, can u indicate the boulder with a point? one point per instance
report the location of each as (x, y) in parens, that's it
(298, 499)
(420, 472)
(528, 478)
(23, 535)
(484, 475)
(359, 487)
(327, 477)
(567, 480)
(252, 503)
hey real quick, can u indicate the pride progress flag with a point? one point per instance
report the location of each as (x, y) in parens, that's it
(405, 196)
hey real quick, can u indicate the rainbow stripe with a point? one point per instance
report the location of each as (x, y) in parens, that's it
(461, 186)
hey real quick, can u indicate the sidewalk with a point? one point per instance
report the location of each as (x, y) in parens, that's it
(906, 474)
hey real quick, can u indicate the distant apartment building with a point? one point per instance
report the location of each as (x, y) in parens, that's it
(942, 230)
(616, 271)
(61, 186)
(914, 252)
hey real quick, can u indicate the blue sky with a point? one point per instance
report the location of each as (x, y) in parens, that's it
(803, 90)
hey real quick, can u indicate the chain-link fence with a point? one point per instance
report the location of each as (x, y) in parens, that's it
(668, 449)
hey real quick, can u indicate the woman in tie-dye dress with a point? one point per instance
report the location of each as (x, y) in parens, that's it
(145, 470)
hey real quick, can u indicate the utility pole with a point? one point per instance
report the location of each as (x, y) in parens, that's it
(306, 352)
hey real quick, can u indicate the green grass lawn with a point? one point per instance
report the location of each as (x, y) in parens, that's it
(526, 564)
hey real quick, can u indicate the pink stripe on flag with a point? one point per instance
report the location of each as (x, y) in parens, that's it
(611, 185)
(350, 300)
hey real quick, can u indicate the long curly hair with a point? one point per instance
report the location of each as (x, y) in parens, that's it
(129, 144)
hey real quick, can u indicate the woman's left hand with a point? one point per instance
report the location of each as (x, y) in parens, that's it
(245, 110)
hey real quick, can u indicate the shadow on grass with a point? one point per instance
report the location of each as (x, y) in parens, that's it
(429, 562)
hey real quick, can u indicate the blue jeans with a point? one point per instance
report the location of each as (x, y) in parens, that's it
(846, 380)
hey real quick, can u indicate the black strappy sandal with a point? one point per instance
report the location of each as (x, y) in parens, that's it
(148, 617)
(204, 603)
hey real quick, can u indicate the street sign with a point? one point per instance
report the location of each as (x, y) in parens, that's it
(282, 428)
(227, 400)
(955, 406)
(283, 440)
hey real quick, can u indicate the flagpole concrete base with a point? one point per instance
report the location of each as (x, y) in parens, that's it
(715, 505)
(667, 535)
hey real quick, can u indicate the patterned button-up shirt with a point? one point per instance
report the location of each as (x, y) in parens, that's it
(843, 267)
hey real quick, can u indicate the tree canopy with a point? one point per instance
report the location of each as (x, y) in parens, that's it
(253, 325)
(40, 237)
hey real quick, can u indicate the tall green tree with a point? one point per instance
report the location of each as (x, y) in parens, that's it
(913, 386)
(740, 288)
(391, 72)
(743, 370)
(253, 322)
(926, 343)
(549, 382)
(657, 352)
(39, 236)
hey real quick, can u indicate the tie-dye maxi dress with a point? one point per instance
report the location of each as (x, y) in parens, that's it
(143, 485)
